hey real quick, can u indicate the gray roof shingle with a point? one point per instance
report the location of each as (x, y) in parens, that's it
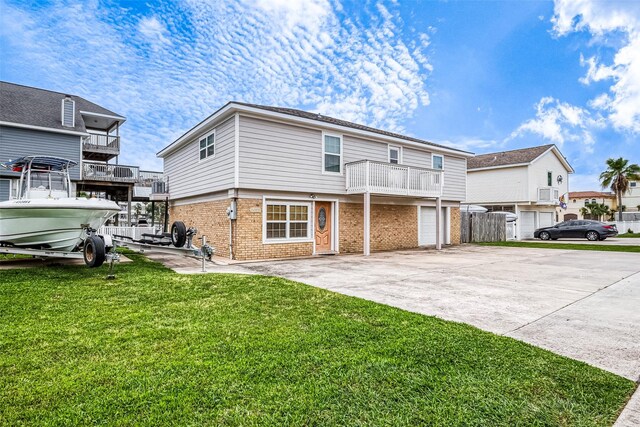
(506, 158)
(39, 107)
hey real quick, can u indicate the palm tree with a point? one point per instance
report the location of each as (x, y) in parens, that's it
(617, 176)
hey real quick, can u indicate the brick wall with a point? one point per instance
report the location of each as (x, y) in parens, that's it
(392, 227)
(248, 236)
(210, 218)
(455, 226)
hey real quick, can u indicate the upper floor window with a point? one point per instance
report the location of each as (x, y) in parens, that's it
(549, 179)
(208, 146)
(633, 184)
(395, 155)
(437, 161)
(332, 154)
(586, 202)
(593, 201)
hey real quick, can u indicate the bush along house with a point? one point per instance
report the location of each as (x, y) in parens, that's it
(266, 182)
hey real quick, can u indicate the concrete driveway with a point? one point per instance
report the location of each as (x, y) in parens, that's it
(582, 304)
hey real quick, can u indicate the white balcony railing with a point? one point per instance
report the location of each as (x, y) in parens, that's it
(387, 178)
(548, 195)
(101, 143)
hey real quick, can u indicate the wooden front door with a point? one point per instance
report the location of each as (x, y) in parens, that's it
(323, 227)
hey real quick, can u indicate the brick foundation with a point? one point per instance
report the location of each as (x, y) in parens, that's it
(392, 227)
(248, 236)
(210, 218)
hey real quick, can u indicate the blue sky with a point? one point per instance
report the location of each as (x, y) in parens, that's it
(483, 76)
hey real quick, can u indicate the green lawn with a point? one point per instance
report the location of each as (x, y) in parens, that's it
(629, 235)
(157, 348)
(575, 246)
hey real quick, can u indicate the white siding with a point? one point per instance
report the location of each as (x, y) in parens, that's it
(284, 157)
(538, 175)
(190, 176)
(506, 185)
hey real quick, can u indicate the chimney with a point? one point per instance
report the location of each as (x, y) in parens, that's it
(68, 112)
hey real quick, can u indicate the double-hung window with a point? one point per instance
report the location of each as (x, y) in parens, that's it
(287, 220)
(437, 162)
(332, 154)
(395, 155)
(208, 146)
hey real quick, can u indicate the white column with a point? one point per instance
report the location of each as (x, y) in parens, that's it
(367, 223)
(438, 220)
(517, 228)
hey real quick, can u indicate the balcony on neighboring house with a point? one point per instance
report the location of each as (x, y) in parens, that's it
(100, 147)
(159, 190)
(366, 176)
(97, 171)
(548, 196)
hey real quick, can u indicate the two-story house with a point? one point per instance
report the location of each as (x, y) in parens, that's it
(265, 182)
(631, 199)
(528, 182)
(577, 200)
(36, 121)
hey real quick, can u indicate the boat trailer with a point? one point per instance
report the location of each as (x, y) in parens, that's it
(180, 241)
(97, 249)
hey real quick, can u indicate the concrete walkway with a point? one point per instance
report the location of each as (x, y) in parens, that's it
(616, 241)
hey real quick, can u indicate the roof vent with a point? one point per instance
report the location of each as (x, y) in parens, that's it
(68, 112)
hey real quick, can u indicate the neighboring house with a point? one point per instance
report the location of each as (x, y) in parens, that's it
(42, 122)
(296, 183)
(528, 182)
(631, 199)
(577, 200)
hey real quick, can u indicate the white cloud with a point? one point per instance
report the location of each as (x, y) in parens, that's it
(560, 122)
(154, 31)
(622, 103)
(172, 67)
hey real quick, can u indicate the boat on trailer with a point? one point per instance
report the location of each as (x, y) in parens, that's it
(45, 216)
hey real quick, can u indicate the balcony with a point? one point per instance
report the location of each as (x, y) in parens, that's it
(159, 190)
(367, 176)
(148, 178)
(548, 196)
(96, 171)
(100, 147)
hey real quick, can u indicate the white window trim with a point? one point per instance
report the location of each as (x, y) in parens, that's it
(437, 155)
(215, 143)
(392, 147)
(324, 172)
(288, 203)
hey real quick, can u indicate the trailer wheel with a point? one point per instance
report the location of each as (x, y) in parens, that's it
(178, 234)
(94, 251)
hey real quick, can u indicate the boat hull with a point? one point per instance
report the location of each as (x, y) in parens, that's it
(56, 224)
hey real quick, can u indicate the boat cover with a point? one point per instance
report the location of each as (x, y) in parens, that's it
(40, 162)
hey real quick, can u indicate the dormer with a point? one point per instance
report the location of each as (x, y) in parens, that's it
(68, 112)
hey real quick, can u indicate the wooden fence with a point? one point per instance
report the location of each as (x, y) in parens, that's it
(483, 227)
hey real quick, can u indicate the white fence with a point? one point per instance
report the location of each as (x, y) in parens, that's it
(624, 226)
(133, 232)
(511, 230)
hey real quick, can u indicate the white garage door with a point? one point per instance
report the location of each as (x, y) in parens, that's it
(427, 230)
(546, 219)
(527, 224)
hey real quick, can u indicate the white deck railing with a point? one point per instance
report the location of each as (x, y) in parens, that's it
(366, 176)
(97, 171)
(101, 143)
(133, 232)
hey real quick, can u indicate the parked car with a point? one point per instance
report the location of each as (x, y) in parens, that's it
(142, 221)
(591, 230)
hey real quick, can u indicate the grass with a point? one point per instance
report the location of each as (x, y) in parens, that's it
(157, 348)
(572, 246)
(637, 235)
